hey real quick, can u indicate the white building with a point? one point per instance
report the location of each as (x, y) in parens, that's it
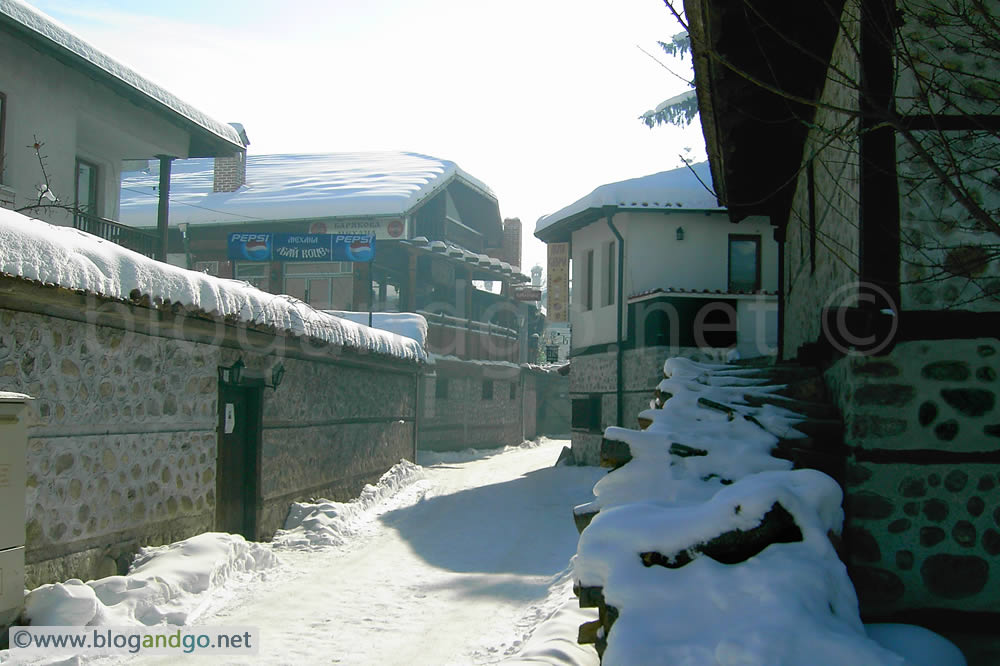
(89, 114)
(657, 270)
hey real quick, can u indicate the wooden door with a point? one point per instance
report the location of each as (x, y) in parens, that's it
(238, 460)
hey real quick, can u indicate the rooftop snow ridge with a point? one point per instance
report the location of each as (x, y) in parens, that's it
(295, 186)
(685, 188)
(61, 256)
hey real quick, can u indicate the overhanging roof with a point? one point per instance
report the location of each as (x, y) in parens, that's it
(684, 190)
(754, 61)
(209, 137)
(301, 187)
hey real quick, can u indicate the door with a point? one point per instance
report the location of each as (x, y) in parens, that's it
(238, 460)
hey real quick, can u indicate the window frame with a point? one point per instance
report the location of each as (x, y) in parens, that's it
(611, 278)
(487, 389)
(755, 238)
(3, 133)
(94, 186)
(588, 281)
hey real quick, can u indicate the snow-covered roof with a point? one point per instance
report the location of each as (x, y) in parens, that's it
(35, 25)
(294, 187)
(680, 189)
(69, 258)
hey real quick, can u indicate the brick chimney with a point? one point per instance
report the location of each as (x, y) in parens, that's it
(231, 170)
(512, 241)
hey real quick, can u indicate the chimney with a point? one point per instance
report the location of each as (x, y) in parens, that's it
(512, 241)
(231, 170)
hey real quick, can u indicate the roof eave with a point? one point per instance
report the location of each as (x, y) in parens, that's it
(204, 141)
(561, 230)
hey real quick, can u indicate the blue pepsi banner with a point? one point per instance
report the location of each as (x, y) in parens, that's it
(301, 247)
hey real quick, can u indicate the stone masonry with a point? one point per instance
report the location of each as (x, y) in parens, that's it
(923, 484)
(122, 436)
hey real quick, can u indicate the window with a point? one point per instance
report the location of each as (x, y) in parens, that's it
(487, 389)
(86, 187)
(744, 263)
(588, 281)
(513, 391)
(256, 273)
(587, 413)
(323, 285)
(609, 274)
(441, 388)
(3, 123)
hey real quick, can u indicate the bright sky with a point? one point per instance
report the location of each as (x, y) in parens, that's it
(537, 98)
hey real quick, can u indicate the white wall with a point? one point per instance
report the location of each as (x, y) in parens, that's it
(655, 259)
(73, 116)
(598, 325)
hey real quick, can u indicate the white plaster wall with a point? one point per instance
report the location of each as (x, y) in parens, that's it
(73, 116)
(600, 324)
(656, 259)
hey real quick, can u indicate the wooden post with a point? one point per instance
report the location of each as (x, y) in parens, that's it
(163, 207)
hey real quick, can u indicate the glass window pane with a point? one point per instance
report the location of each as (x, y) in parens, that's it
(296, 287)
(246, 270)
(319, 293)
(743, 264)
(86, 187)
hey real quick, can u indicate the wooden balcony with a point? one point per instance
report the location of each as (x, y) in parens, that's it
(143, 242)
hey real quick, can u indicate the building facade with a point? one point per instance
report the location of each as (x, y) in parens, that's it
(881, 185)
(657, 270)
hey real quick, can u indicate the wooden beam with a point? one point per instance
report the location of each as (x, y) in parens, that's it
(163, 207)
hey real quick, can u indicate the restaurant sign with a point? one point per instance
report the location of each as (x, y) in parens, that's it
(301, 247)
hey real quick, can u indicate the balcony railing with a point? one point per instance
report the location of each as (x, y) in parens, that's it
(142, 242)
(470, 340)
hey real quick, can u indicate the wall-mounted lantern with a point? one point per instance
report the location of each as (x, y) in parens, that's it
(680, 233)
(277, 374)
(232, 375)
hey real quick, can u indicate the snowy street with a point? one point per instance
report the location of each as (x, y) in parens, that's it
(457, 567)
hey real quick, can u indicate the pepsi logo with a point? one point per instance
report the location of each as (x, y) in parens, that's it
(361, 249)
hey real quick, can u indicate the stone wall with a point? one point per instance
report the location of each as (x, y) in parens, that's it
(460, 416)
(922, 426)
(596, 374)
(122, 435)
(821, 243)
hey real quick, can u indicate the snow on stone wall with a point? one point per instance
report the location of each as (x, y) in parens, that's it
(37, 251)
(122, 433)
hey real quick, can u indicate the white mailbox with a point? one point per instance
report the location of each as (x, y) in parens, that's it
(13, 452)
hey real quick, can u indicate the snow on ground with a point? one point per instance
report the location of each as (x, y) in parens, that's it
(462, 561)
(72, 259)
